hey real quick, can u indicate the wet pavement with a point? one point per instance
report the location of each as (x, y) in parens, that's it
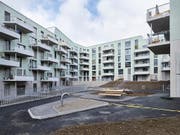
(15, 120)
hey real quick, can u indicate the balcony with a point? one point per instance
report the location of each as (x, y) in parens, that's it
(108, 61)
(142, 50)
(136, 65)
(158, 17)
(73, 64)
(61, 67)
(108, 49)
(63, 76)
(64, 45)
(41, 47)
(64, 60)
(20, 50)
(73, 70)
(61, 50)
(141, 72)
(84, 69)
(18, 75)
(165, 69)
(19, 24)
(40, 68)
(8, 34)
(49, 59)
(108, 74)
(83, 57)
(108, 54)
(84, 63)
(142, 57)
(108, 67)
(159, 44)
(8, 62)
(49, 79)
(73, 57)
(49, 40)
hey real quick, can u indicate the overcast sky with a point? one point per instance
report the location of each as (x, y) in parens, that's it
(89, 22)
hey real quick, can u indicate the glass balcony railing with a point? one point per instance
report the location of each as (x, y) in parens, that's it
(158, 11)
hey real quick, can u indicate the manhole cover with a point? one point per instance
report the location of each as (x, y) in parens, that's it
(104, 112)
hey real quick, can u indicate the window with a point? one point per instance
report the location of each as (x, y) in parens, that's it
(20, 90)
(136, 42)
(119, 45)
(155, 69)
(127, 52)
(99, 49)
(127, 58)
(119, 65)
(128, 64)
(119, 58)
(7, 91)
(119, 52)
(128, 44)
(94, 50)
(34, 87)
(155, 62)
(7, 16)
(120, 71)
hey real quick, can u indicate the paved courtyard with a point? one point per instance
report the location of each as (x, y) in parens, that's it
(15, 120)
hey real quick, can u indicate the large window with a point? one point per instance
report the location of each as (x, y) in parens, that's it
(128, 44)
(120, 71)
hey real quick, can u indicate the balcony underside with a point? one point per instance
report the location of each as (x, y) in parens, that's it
(159, 24)
(160, 48)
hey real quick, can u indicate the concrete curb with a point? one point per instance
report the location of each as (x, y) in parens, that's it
(58, 113)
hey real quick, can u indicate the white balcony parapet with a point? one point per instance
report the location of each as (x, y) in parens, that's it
(142, 57)
(108, 74)
(42, 46)
(9, 62)
(64, 45)
(64, 60)
(108, 67)
(142, 50)
(49, 79)
(49, 59)
(84, 69)
(8, 34)
(141, 65)
(167, 68)
(49, 40)
(40, 67)
(61, 50)
(84, 63)
(108, 61)
(84, 57)
(141, 72)
(61, 67)
(23, 26)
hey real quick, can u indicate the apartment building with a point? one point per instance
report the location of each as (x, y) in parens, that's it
(34, 59)
(164, 21)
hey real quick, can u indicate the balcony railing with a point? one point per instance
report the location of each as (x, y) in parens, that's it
(19, 49)
(18, 74)
(7, 33)
(9, 62)
(158, 11)
(22, 25)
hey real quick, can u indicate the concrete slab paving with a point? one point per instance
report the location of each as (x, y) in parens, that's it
(71, 105)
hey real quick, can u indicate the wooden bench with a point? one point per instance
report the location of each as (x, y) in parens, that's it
(114, 93)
